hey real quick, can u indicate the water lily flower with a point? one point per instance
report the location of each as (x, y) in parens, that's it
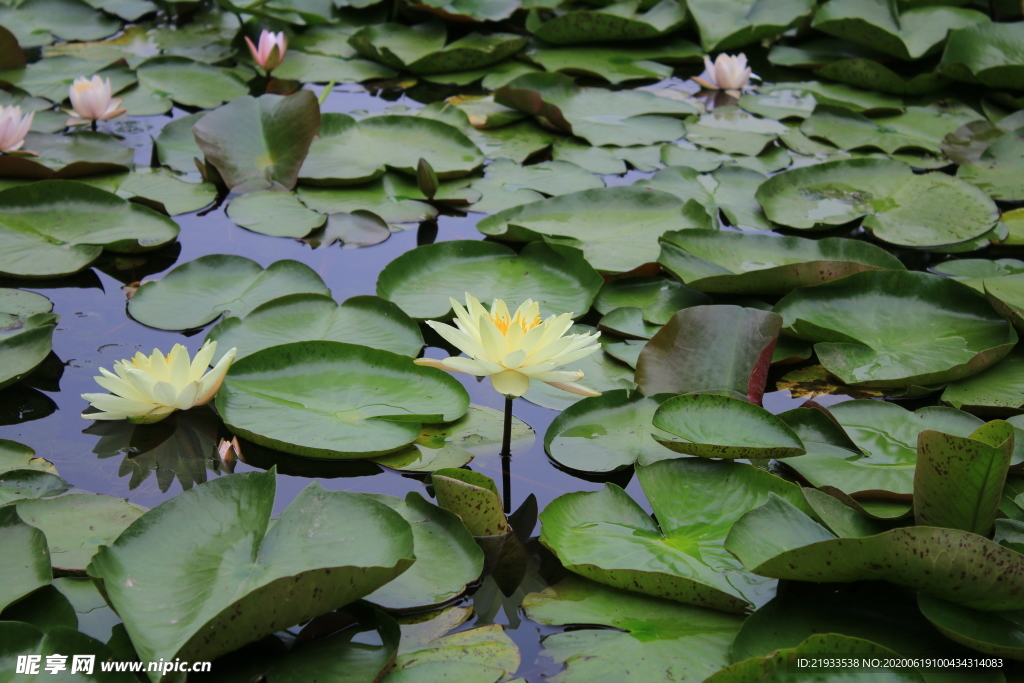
(13, 128)
(726, 73)
(271, 49)
(146, 389)
(91, 101)
(513, 349)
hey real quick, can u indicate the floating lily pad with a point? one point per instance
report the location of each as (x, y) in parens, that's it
(313, 68)
(996, 633)
(989, 53)
(469, 10)
(484, 654)
(59, 227)
(389, 197)
(30, 484)
(606, 536)
(423, 280)
(898, 206)
(616, 227)
(421, 49)
(190, 83)
(712, 426)
(362, 542)
(327, 399)
(25, 562)
(162, 186)
(1006, 294)
(274, 213)
(892, 329)
(26, 333)
(724, 26)
(728, 190)
(366, 320)
(997, 171)
(834, 94)
(618, 21)
(200, 291)
(67, 156)
(508, 184)
(657, 298)
(616, 63)
(735, 263)
(733, 131)
(39, 22)
(18, 456)
(918, 128)
(176, 147)
(999, 390)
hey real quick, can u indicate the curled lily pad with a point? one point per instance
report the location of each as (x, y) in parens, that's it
(327, 399)
(366, 320)
(737, 263)
(713, 426)
(988, 53)
(423, 280)
(421, 49)
(59, 227)
(26, 333)
(724, 26)
(330, 547)
(892, 329)
(614, 22)
(176, 146)
(898, 206)
(200, 291)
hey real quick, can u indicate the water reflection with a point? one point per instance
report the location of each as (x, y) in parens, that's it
(21, 403)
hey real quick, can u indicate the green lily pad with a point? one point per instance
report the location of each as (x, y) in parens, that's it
(316, 68)
(162, 186)
(724, 26)
(351, 230)
(389, 197)
(26, 333)
(628, 323)
(998, 390)
(259, 143)
(657, 298)
(478, 433)
(879, 24)
(898, 206)
(421, 49)
(363, 542)
(735, 263)
(474, 498)
(18, 639)
(618, 21)
(75, 526)
(997, 171)
(447, 558)
(200, 291)
(733, 131)
(423, 280)
(893, 329)
(918, 128)
(40, 22)
(833, 94)
(602, 117)
(25, 562)
(712, 426)
(778, 540)
(642, 638)
(67, 156)
(349, 152)
(188, 82)
(484, 654)
(990, 53)
(274, 213)
(608, 433)
(366, 320)
(728, 190)
(327, 399)
(616, 227)
(607, 537)
(58, 227)
(508, 184)
(30, 484)
(727, 350)
(469, 10)
(18, 456)
(998, 633)
(176, 147)
(1006, 294)
(616, 63)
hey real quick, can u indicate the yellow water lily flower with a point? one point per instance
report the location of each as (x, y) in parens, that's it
(513, 349)
(146, 389)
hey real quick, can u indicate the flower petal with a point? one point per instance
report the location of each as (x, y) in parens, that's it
(510, 383)
(574, 388)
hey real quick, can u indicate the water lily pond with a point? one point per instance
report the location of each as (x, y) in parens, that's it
(503, 340)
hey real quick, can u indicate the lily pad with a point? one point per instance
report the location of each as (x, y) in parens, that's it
(893, 329)
(990, 53)
(162, 186)
(366, 320)
(733, 131)
(26, 562)
(29, 485)
(360, 540)
(75, 155)
(607, 537)
(315, 68)
(998, 169)
(327, 399)
(898, 206)
(712, 426)
(388, 197)
(474, 497)
(18, 456)
(917, 128)
(26, 333)
(616, 63)
(19, 639)
(998, 390)
(59, 227)
(727, 25)
(996, 633)
(421, 49)
(618, 21)
(735, 263)
(657, 298)
(616, 227)
(200, 291)
(423, 280)
(259, 144)
(189, 82)
(39, 22)
(176, 147)
(274, 213)
(508, 184)
(728, 190)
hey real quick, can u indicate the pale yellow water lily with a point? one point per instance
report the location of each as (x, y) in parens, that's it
(146, 389)
(270, 51)
(513, 349)
(91, 101)
(726, 73)
(13, 128)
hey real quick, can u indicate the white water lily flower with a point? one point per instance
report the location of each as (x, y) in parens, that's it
(91, 100)
(726, 73)
(146, 389)
(513, 349)
(270, 52)
(13, 128)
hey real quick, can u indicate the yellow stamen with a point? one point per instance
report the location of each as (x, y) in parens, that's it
(503, 323)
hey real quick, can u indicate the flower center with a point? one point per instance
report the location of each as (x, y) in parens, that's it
(503, 323)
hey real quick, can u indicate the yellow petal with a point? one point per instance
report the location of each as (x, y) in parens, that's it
(510, 383)
(574, 388)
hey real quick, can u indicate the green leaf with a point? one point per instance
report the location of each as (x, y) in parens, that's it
(75, 155)
(176, 147)
(18, 456)
(616, 227)
(480, 655)
(38, 22)
(728, 190)
(19, 639)
(727, 25)
(728, 350)
(892, 329)
(615, 63)
(200, 291)
(219, 535)
(190, 83)
(259, 143)
(25, 561)
(59, 227)
(996, 633)
(959, 481)
(28, 484)
(274, 213)
(737, 263)
(899, 207)
(423, 280)
(508, 184)
(174, 194)
(998, 390)
(317, 68)
(26, 334)
(617, 21)
(918, 128)
(988, 53)
(712, 426)
(387, 197)
(473, 497)
(997, 171)
(421, 49)
(657, 298)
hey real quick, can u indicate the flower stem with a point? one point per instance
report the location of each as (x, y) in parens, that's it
(94, 125)
(506, 457)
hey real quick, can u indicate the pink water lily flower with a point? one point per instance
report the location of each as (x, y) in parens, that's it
(270, 52)
(91, 101)
(13, 128)
(726, 73)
